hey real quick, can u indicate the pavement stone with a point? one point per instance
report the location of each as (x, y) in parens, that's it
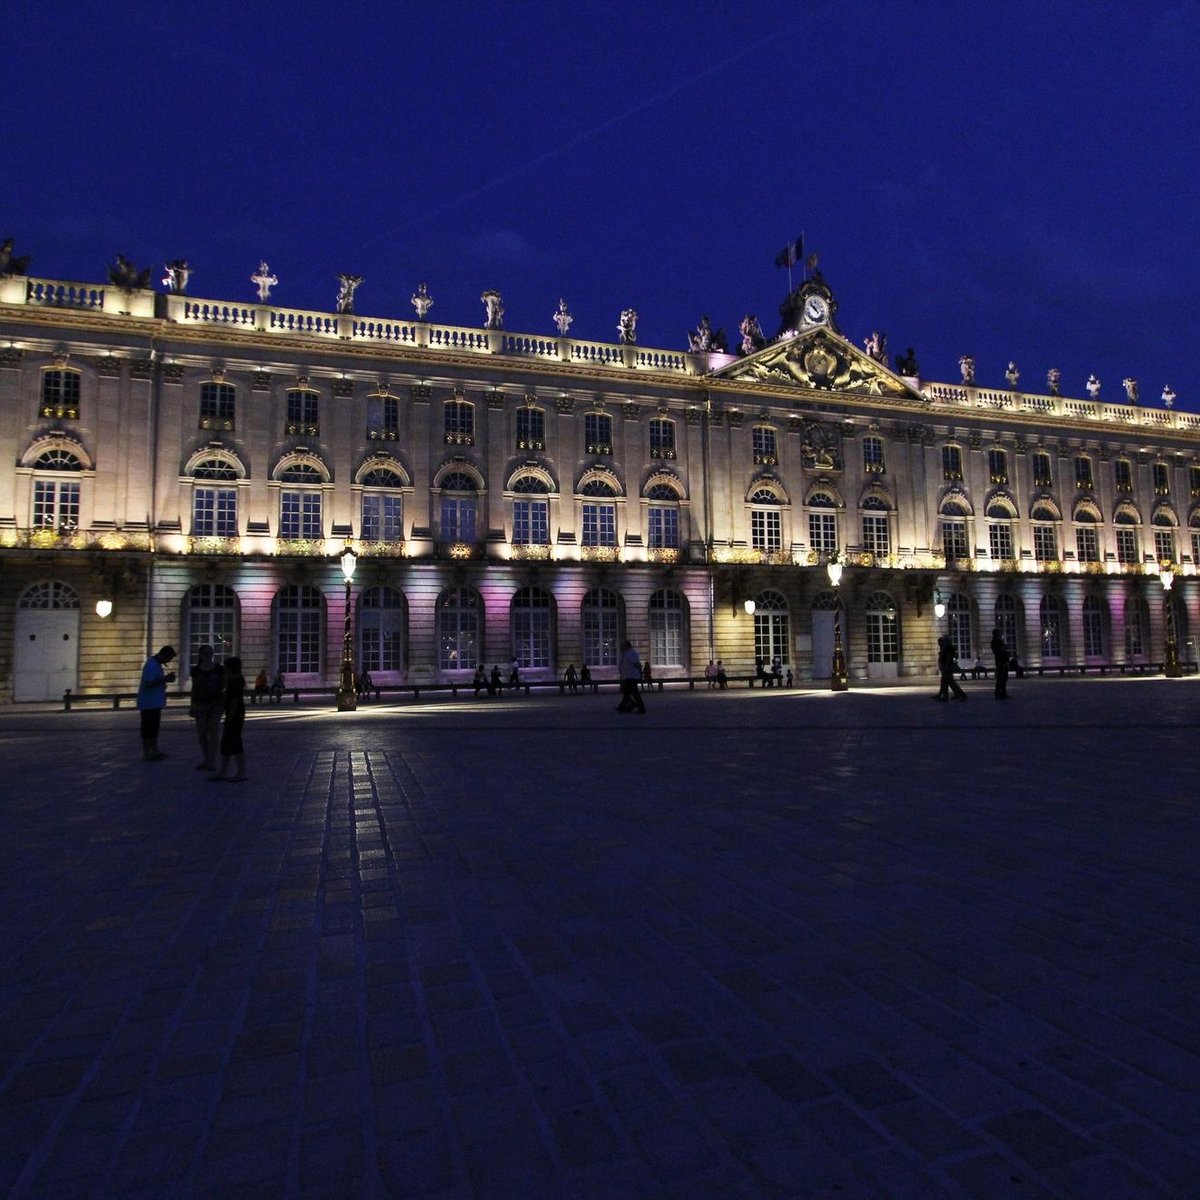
(757, 944)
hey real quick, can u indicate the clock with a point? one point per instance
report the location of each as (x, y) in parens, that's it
(816, 310)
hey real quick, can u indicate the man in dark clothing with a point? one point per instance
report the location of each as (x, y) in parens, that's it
(1000, 650)
(946, 664)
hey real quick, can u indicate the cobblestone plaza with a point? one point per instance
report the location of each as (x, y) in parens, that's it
(752, 944)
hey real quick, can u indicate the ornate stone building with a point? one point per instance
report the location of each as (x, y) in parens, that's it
(200, 465)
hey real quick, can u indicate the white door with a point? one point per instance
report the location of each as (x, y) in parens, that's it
(822, 620)
(46, 654)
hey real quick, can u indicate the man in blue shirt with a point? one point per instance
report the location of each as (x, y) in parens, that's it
(152, 699)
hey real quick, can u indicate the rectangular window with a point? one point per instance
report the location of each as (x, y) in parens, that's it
(1127, 549)
(998, 466)
(1093, 631)
(1041, 470)
(597, 433)
(383, 418)
(303, 413)
(951, 463)
(662, 438)
(60, 395)
(300, 515)
(954, 539)
(1162, 479)
(531, 429)
(299, 645)
(531, 636)
(1045, 544)
(1196, 547)
(766, 530)
(458, 519)
(382, 517)
(214, 512)
(883, 642)
(875, 536)
(1087, 545)
(663, 531)
(1083, 472)
(1000, 542)
(1194, 481)
(55, 505)
(764, 446)
(822, 532)
(1164, 545)
(216, 406)
(459, 423)
(599, 524)
(872, 452)
(1123, 475)
(531, 523)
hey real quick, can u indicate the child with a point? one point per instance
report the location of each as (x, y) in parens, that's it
(235, 718)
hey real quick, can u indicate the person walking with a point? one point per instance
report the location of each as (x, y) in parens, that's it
(631, 676)
(1000, 651)
(947, 665)
(235, 718)
(207, 701)
(152, 699)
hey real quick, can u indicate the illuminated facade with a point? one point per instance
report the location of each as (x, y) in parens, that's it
(201, 464)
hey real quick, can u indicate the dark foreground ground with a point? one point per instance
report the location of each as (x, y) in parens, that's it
(753, 944)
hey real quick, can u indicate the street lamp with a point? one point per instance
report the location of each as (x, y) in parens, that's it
(839, 681)
(1166, 576)
(347, 697)
(939, 607)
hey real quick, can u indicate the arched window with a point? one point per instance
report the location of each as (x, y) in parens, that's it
(1051, 618)
(382, 511)
(1123, 475)
(1095, 612)
(383, 417)
(883, 629)
(599, 515)
(1125, 522)
(458, 507)
(532, 627)
(953, 517)
(211, 619)
(56, 501)
(952, 463)
(1000, 531)
(531, 511)
(1163, 523)
(876, 535)
(460, 629)
(766, 522)
(1006, 619)
(1087, 540)
(49, 593)
(214, 507)
(300, 501)
(662, 517)
(1045, 538)
(381, 630)
(960, 627)
(822, 523)
(299, 630)
(1194, 527)
(772, 628)
(667, 642)
(601, 615)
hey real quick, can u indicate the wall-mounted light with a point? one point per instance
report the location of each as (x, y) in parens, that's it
(749, 606)
(939, 609)
(104, 608)
(835, 573)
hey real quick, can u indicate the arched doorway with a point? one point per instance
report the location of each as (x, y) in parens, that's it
(46, 649)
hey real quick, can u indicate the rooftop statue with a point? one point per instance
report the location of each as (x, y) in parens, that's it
(906, 364)
(1054, 381)
(494, 306)
(347, 286)
(876, 346)
(265, 280)
(562, 318)
(1012, 375)
(966, 365)
(1093, 387)
(753, 338)
(177, 275)
(1168, 396)
(126, 276)
(1131, 389)
(627, 327)
(422, 301)
(10, 265)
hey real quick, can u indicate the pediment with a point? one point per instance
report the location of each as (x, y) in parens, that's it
(820, 360)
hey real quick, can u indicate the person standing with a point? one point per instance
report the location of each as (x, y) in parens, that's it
(208, 697)
(1000, 650)
(235, 718)
(631, 676)
(946, 668)
(152, 699)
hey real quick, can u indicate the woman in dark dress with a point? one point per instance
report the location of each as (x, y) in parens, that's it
(235, 718)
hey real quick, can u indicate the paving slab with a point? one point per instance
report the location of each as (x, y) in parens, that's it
(761, 944)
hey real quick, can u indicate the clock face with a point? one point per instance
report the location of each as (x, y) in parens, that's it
(816, 311)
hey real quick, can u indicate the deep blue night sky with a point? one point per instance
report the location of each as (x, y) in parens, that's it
(1011, 180)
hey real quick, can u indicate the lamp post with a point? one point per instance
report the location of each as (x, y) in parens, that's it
(1166, 576)
(838, 679)
(347, 696)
